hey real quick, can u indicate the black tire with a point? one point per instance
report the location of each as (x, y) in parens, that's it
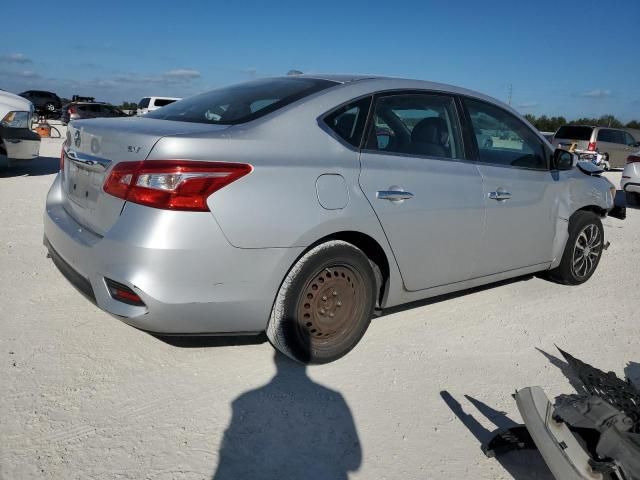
(324, 304)
(586, 242)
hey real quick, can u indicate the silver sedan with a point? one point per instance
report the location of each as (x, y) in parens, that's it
(298, 205)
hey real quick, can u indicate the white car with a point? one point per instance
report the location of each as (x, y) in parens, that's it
(630, 182)
(149, 104)
(17, 141)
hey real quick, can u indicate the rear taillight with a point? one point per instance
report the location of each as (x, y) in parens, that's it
(62, 159)
(633, 159)
(592, 146)
(71, 110)
(172, 184)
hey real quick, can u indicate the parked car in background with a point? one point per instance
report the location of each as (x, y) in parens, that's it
(17, 141)
(630, 182)
(78, 110)
(298, 204)
(149, 104)
(44, 102)
(616, 144)
(548, 136)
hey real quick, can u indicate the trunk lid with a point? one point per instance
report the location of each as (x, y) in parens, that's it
(94, 146)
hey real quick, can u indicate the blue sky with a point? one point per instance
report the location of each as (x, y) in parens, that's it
(575, 58)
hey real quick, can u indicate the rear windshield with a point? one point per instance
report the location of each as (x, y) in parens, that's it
(161, 102)
(241, 103)
(573, 132)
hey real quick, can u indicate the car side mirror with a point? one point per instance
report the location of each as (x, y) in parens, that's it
(636, 145)
(562, 160)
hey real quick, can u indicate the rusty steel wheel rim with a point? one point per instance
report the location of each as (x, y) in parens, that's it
(330, 305)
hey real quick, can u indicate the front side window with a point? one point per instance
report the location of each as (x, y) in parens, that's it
(503, 139)
(348, 121)
(144, 103)
(233, 105)
(416, 124)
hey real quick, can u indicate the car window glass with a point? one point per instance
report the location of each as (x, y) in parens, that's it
(348, 122)
(144, 103)
(417, 124)
(574, 132)
(259, 104)
(162, 102)
(503, 139)
(629, 140)
(612, 136)
(235, 101)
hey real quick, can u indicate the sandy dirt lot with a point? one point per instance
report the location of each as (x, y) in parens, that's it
(85, 396)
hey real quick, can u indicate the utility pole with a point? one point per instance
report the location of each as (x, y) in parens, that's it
(510, 93)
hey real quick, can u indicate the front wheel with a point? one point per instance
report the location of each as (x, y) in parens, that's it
(583, 250)
(324, 305)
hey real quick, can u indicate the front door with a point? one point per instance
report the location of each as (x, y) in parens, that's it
(519, 191)
(428, 198)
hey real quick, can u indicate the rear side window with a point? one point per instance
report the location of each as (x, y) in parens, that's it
(144, 103)
(503, 139)
(162, 102)
(243, 102)
(574, 132)
(612, 136)
(348, 122)
(416, 124)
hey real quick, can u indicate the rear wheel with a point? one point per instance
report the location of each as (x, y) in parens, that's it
(583, 250)
(324, 305)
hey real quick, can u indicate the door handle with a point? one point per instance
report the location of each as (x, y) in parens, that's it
(499, 195)
(394, 195)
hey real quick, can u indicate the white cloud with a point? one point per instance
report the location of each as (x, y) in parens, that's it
(14, 58)
(597, 93)
(182, 73)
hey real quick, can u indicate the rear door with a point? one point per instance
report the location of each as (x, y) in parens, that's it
(519, 191)
(427, 197)
(613, 142)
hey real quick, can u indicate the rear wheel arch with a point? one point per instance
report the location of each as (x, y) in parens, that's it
(370, 247)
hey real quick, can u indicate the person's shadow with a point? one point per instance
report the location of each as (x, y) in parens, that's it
(290, 428)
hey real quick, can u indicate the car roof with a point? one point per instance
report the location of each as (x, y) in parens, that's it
(382, 83)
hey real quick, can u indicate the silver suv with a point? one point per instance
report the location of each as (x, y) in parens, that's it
(297, 205)
(615, 144)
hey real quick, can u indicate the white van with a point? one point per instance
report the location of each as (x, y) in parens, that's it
(149, 104)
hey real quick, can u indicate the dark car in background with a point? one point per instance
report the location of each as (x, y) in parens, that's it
(44, 102)
(89, 109)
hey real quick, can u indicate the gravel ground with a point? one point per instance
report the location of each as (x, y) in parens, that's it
(85, 396)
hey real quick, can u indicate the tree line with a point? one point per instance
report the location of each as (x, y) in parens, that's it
(551, 124)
